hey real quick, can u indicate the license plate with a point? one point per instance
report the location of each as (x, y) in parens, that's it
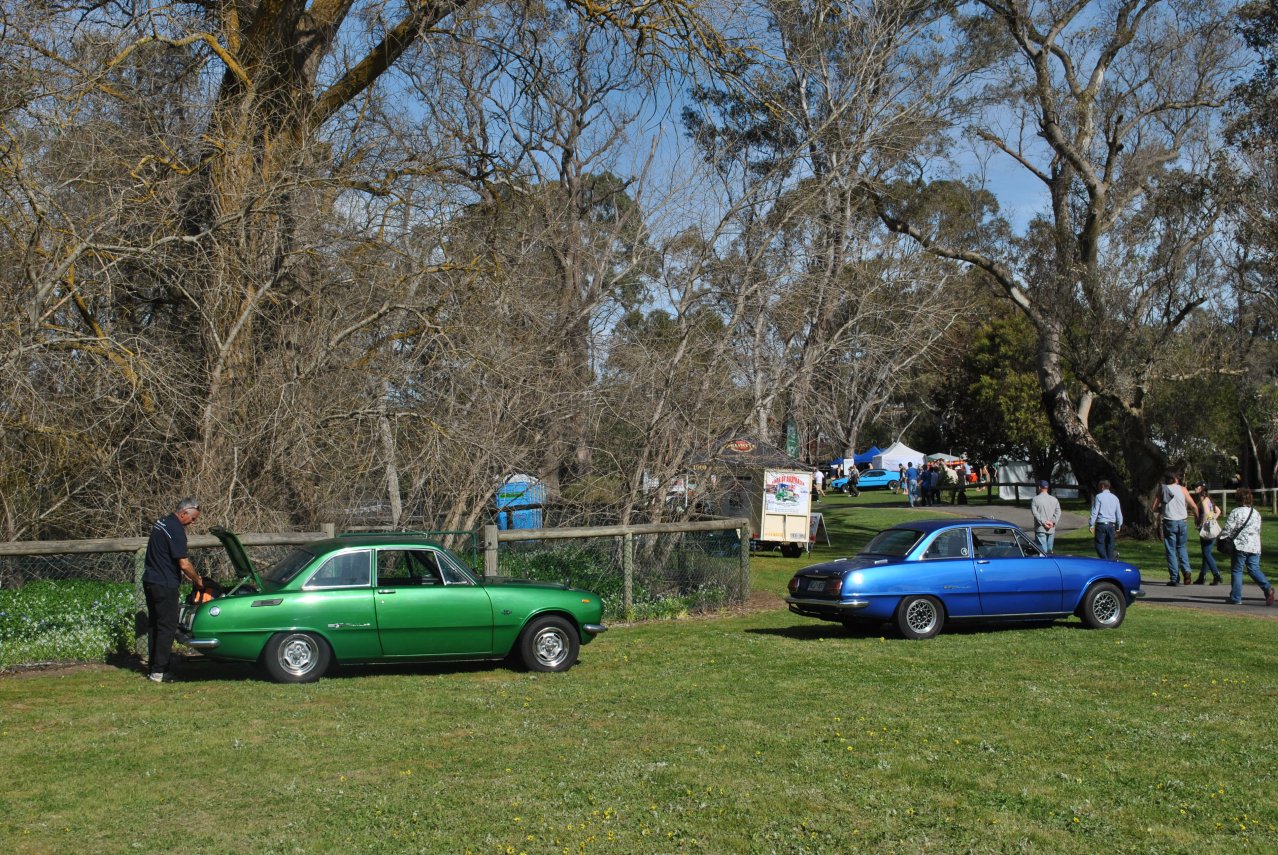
(816, 584)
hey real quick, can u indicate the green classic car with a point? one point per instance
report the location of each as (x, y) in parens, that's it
(384, 598)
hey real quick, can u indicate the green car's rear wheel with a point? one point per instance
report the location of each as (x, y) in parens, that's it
(549, 643)
(296, 657)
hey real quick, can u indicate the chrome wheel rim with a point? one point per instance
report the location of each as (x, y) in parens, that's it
(1105, 607)
(298, 655)
(920, 616)
(550, 646)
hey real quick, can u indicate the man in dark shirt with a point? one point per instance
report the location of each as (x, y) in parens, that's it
(167, 563)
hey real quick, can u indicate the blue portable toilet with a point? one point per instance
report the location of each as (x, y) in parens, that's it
(519, 502)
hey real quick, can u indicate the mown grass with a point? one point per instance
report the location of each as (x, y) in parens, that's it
(758, 732)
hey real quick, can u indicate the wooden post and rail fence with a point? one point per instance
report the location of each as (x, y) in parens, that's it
(493, 537)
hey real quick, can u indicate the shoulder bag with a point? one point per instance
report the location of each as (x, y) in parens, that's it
(1225, 545)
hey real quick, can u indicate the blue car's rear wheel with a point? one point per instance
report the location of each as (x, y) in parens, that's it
(919, 617)
(296, 657)
(1103, 606)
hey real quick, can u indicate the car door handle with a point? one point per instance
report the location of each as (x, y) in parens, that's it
(983, 561)
(385, 590)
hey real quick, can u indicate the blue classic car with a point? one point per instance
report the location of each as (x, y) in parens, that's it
(921, 575)
(869, 479)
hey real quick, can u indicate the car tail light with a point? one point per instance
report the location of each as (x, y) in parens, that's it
(836, 586)
(794, 584)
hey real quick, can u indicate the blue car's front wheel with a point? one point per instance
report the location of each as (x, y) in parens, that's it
(920, 617)
(1103, 606)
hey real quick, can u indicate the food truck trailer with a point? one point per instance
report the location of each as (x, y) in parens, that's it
(752, 479)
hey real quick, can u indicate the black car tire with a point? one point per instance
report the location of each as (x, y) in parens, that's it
(548, 644)
(791, 550)
(1103, 606)
(296, 657)
(894, 485)
(920, 617)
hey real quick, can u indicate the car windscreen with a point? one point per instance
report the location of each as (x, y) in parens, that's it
(454, 569)
(283, 571)
(895, 541)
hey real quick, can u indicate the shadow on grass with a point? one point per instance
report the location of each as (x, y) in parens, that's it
(827, 630)
(200, 669)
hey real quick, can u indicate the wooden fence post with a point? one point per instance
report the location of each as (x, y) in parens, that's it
(490, 550)
(329, 529)
(628, 574)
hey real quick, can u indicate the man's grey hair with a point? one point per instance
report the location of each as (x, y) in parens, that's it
(188, 502)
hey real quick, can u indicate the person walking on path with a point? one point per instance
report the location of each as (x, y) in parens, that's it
(1175, 503)
(1208, 531)
(1047, 513)
(166, 563)
(912, 483)
(1106, 520)
(1243, 527)
(818, 481)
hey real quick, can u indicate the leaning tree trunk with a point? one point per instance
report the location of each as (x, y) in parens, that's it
(1144, 462)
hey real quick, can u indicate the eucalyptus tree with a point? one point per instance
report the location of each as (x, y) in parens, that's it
(204, 212)
(1111, 109)
(843, 89)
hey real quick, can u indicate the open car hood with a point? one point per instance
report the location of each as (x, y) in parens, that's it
(239, 558)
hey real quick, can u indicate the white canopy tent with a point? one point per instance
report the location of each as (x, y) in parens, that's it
(1064, 485)
(896, 454)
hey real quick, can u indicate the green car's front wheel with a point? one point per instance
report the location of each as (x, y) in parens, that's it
(296, 657)
(549, 643)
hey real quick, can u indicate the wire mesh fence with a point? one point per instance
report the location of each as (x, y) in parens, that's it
(212, 561)
(673, 573)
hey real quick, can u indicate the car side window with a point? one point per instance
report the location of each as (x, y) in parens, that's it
(401, 568)
(1028, 547)
(995, 543)
(347, 570)
(948, 544)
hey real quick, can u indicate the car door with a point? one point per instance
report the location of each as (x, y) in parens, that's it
(424, 610)
(1014, 578)
(949, 573)
(336, 599)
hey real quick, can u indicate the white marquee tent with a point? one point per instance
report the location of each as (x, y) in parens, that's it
(896, 454)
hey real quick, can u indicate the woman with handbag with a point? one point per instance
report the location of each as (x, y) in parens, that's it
(1242, 535)
(1208, 531)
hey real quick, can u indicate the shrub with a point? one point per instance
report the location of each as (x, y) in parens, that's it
(64, 621)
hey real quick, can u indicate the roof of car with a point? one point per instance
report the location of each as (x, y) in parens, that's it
(929, 526)
(380, 538)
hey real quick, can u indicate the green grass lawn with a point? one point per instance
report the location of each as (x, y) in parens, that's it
(756, 732)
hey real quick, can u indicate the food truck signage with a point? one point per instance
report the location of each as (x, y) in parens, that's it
(785, 493)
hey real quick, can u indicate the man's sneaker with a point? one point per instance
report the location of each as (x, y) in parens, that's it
(155, 677)
(1269, 596)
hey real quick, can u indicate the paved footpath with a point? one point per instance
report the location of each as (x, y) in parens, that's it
(1153, 579)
